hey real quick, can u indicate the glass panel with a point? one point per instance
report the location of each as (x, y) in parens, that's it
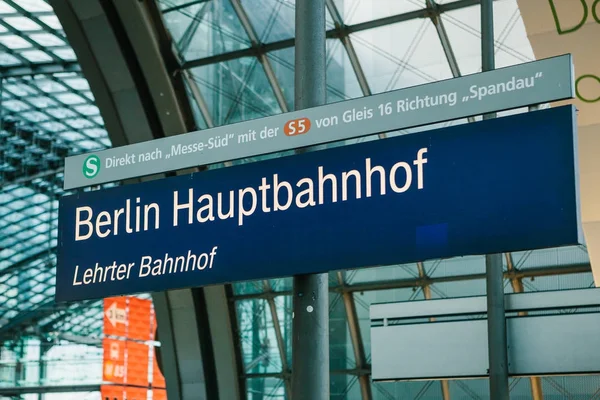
(274, 20)
(87, 109)
(357, 11)
(34, 116)
(282, 62)
(77, 83)
(69, 98)
(559, 282)
(253, 287)
(574, 387)
(341, 351)
(29, 217)
(509, 31)
(471, 389)
(51, 21)
(391, 64)
(5, 8)
(265, 388)
(42, 102)
(459, 266)
(65, 54)
(395, 272)
(7, 59)
(79, 123)
(566, 256)
(206, 29)
(14, 42)
(281, 285)
(35, 5)
(463, 288)
(512, 46)
(22, 23)
(260, 353)
(167, 4)
(36, 56)
(430, 390)
(342, 83)
(236, 90)
(344, 387)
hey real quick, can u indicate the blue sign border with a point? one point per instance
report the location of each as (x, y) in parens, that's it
(507, 184)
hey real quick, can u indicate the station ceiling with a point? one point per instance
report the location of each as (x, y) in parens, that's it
(238, 61)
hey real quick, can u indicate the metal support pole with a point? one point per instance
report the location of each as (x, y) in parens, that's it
(496, 318)
(496, 322)
(488, 58)
(310, 336)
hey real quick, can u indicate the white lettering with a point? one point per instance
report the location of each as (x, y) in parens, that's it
(242, 211)
(176, 206)
(79, 222)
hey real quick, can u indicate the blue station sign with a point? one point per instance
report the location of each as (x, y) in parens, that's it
(506, 184)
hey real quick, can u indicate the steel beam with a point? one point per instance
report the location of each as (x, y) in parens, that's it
(344, 36)
(25, 179)
(86, 340)
(23, 390)
(262, 57)
(332, 33)
(436, 19)
(418, 282)
(190, 31)
(39, 69)
(340, 26)
(184, 5)
(197, 96)
(356, 338)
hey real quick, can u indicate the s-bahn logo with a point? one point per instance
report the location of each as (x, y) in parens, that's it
(91, 166)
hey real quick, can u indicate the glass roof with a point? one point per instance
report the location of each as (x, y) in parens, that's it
(241, 64)
(239, 61)
(47, 112)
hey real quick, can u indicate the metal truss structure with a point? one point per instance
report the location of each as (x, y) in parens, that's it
(234, 60)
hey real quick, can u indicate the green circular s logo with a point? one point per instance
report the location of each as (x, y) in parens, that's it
(91, 166)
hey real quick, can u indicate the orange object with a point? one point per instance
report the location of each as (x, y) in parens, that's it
(115, 316)
(113, 368)
(139, 319)
(110, 392)
(297, 127)
(159, 394)
(137, 364)
(153, 326)
(132, 393)
(158, 380)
